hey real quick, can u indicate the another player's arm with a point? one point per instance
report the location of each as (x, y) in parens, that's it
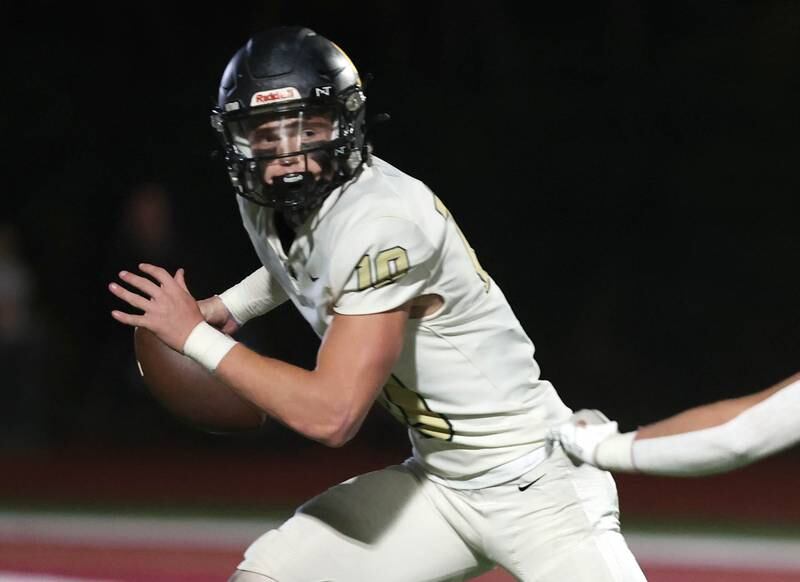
(708, 415)
(329, 403)
(707, 439)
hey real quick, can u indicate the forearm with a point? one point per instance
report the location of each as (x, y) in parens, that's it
(310, 402)
(699, 418)
(709, 415)
(327, 404)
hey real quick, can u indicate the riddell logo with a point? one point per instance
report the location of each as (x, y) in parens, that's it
(284, 94)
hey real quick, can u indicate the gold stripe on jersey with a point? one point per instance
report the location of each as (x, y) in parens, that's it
(410, 408)
(484, 276)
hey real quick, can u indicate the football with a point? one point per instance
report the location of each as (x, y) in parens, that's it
(189, 391)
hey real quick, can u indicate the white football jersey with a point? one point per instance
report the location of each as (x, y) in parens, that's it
(466, 383)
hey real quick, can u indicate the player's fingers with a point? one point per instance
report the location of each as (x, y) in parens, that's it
(230, 327)
(158, 273)
(180, 277)
(128, 319)
(133, 299)
(143, 284)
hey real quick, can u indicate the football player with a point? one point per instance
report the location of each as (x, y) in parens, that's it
(713, 438)
(407, 316)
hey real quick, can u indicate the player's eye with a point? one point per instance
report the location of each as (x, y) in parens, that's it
(314, 134)
(264, 140)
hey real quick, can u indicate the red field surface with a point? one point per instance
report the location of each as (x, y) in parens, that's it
(90, 545)
(32, 561)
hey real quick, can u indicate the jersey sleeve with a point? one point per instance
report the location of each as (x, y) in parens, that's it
(380, 266)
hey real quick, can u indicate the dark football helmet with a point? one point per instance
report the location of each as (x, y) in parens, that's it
(290, 115)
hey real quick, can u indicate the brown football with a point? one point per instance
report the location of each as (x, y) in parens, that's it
(189, 391)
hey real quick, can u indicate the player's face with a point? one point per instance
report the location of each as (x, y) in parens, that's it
(285, 138)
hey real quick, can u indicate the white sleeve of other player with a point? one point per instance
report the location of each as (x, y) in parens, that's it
(255, 295)
(380, 266)
(761, 430)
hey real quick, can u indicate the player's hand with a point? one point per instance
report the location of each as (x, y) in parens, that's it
(168, 309)
(216, 314)
(581, 436)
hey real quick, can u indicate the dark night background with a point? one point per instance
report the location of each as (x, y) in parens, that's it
(626, 171)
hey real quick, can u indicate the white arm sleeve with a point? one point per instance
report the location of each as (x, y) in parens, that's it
(255, 295)
(761, 430)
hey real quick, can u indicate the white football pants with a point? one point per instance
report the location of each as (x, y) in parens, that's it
(556, 523)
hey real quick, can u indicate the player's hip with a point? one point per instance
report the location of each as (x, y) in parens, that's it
(398, 525)
(552, 494)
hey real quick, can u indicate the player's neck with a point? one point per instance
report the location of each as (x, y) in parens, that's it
(285, 229)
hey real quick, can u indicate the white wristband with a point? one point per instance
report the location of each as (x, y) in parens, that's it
(207, 345)
(616, 453)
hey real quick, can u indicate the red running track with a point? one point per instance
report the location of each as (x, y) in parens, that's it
(175, 564)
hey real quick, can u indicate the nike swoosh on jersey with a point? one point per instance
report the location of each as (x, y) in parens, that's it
(524, 487)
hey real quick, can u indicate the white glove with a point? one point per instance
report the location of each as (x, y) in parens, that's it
(582, 434)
